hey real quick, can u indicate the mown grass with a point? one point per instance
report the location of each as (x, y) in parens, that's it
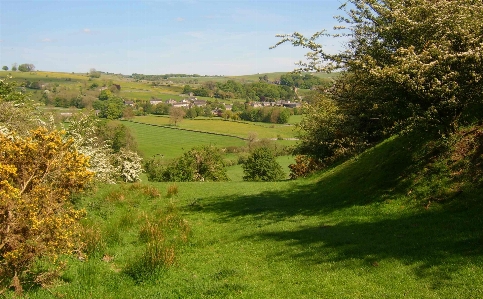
(218, 125)
(295, 119)
(172, 143)
(358, 230)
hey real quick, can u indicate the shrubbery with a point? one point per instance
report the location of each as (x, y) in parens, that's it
(407, 66)
(198, 164)
(261, 165)
(38, 173)
(110, 162)
(303, 166)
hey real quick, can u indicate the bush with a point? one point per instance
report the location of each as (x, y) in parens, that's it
(262, 166)
(198, 164)
(38, 174)
(410, 65)
(304, 165)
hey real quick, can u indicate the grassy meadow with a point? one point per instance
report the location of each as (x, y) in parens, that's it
(170, 88)
(218, 125)
(171, 142)
(358, 230)
(374, 226)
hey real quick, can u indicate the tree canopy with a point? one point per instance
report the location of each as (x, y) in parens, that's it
(26, 67)
(406, 65)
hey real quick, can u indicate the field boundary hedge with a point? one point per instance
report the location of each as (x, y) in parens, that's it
(184, 129)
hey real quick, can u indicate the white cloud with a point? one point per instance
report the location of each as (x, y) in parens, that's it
(47, 40)
(86, 30)
(179, 19)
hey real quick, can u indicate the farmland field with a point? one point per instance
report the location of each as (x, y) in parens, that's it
(172, 143)
(218, 125)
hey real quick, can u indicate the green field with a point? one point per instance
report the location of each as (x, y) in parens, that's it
(218, 125)
(295, 119)
(353, 231)
(172, 143)
(138, 89)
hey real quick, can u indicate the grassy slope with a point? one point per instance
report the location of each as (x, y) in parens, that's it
(372, 227)
(358, 230)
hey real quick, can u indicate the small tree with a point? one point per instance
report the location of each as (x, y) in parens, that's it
(262, 166)
(14, 67)
(176, 115)
(105, 95)
(407, 64)
(5, 68)
(26, 67)
(94, 74)
(111, 158)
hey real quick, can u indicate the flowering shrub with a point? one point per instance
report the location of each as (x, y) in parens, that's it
(129, 165)
(407, 65)
(38, 173)
(108, 166)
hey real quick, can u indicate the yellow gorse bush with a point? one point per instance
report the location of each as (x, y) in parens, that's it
(38, 173)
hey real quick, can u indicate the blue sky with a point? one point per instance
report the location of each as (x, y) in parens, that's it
(206, 37)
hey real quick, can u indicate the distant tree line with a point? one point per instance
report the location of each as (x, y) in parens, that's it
(276, 115)
(24, 67)
(160, 77)
(230, 89)
(306, 81)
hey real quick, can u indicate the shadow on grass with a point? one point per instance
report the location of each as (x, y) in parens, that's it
(375, 176)
(436, 241)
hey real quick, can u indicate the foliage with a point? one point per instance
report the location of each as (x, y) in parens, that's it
(111, 108)
(17, 111)
(108, 164)
(94, 74)
(304, 165)
(276, 115)
(176, 114)
(116, 134)
(260, 91)
(262, 166)
(407, 65)
(203, 163)
(38, 175)
(306, 81)
(105, 95)
(26, 67)
(326, 133)
(5, 68)
(128, 165)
